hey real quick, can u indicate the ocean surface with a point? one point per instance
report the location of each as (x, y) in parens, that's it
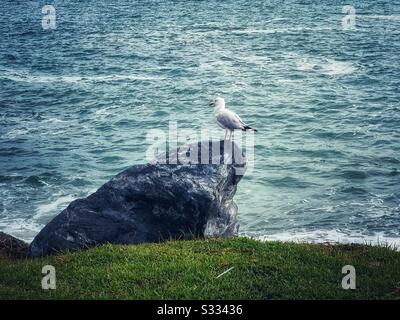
(77, 102)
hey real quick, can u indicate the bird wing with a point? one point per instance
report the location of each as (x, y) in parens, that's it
(229, 120)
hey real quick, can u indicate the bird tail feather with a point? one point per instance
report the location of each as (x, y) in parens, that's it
(250, 128)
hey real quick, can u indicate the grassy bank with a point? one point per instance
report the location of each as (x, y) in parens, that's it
(189, 270)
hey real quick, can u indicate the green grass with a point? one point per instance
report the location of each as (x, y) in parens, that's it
(188, 270)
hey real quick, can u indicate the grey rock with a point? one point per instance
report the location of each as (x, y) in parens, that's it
(162, 200)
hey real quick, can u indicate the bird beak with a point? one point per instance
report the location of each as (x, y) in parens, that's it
(211, 104)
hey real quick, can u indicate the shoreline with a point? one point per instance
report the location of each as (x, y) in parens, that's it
(332, 237)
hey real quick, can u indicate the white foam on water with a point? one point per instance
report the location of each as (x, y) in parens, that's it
(29, 127)
(305, 65)
(258, 60)
(54, 207)
(104, 111)
(338, 68)
(381, 17)
(326, 66)
(20, 76)
(267, 31)
(16, 133)
(24, 229)
(27, 229)
(278, 30)
(330, 236)
(121, 78)
(55, 121)
(221, 67)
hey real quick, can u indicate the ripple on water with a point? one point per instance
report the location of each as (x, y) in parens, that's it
(354, 174)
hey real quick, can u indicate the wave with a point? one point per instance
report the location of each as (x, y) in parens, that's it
(25, 129)
(54, 207)
(330, 236)
(354, 174)
(16, 76)
(11, 178)
(380, 17)
(279, 30)
(36, 181)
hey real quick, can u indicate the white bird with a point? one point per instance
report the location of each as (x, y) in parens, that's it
(226, 118)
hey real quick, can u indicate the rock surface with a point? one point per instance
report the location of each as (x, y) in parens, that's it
(154, 202)
(11, 247)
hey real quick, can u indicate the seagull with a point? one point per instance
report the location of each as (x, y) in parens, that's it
(226, 118)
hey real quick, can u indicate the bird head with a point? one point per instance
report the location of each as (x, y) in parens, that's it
(217, 102)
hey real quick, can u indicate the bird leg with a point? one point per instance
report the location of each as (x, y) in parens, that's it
(226, 132)
(230, 134)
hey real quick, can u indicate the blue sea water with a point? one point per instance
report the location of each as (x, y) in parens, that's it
(77, 102)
